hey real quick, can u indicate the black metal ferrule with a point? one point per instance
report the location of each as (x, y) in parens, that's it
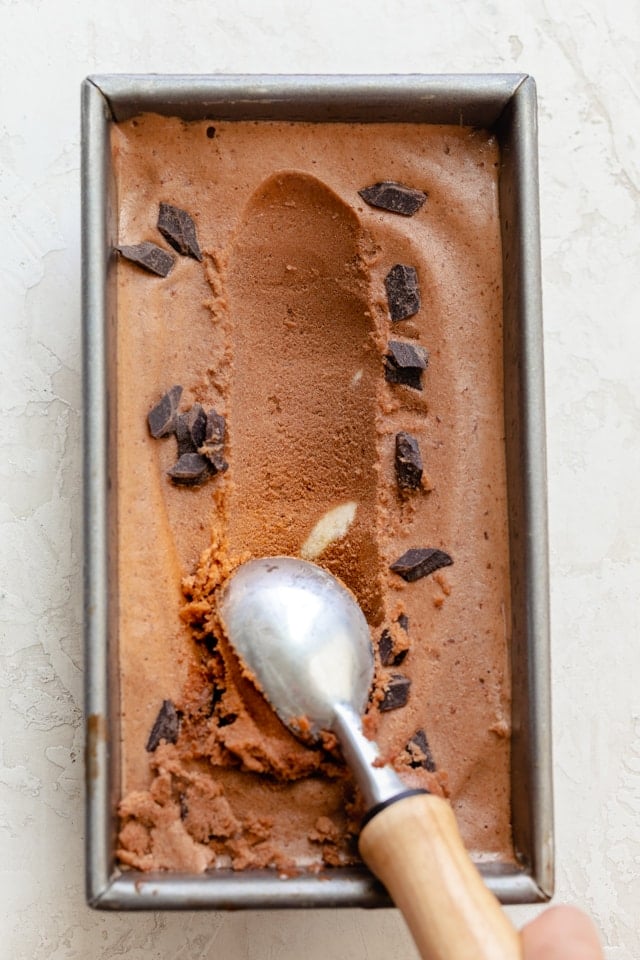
(379, 807)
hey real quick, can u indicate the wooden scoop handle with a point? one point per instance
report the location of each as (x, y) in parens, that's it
(413, 846)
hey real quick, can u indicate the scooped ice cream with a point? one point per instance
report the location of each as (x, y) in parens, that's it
(325, 382)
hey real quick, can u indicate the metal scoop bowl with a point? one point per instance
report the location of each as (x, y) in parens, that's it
(304, 640)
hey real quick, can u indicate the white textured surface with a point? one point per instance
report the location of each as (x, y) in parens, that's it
(585, 57)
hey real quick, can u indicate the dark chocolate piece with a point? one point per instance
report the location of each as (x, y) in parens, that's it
(420, 752)
(149, 256)
(386, 648)
(396, 693)
(166, 727)
(420, 562)
(403, 292)
(404, 364)
(178, 228)
(190, 429)
(408, 462)
(162, 418)
(197, 422)
(403, 620)
(212, 446)
(183, 436)
(215, 428)
(191, 469)
(394, 197)
(216, 460)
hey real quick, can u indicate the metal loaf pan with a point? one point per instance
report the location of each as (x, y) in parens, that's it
(505, 104)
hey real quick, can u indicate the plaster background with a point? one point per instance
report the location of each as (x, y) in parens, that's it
(585, 57)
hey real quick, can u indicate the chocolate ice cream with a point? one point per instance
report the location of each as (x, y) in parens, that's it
(317, 372)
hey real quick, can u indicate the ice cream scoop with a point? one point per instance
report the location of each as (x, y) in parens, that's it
(305, 642)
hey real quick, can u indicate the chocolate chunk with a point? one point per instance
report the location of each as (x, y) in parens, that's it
(183, 436)
(420, 562)
(166, 727)
(403, 620)
(385, 648)
(395, 197)
(403, 292)
(215, 428)
(178, 228)
(197, 422)
(389, 657)
(408, 462)
(191, 469)
(396, 693)
(149, 256)
(162, 418)
(217, 462)
(420, 752)
(404, 364)
(190, 429)
(213, 445)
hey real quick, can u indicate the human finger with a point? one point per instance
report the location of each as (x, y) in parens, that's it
(561, 933)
